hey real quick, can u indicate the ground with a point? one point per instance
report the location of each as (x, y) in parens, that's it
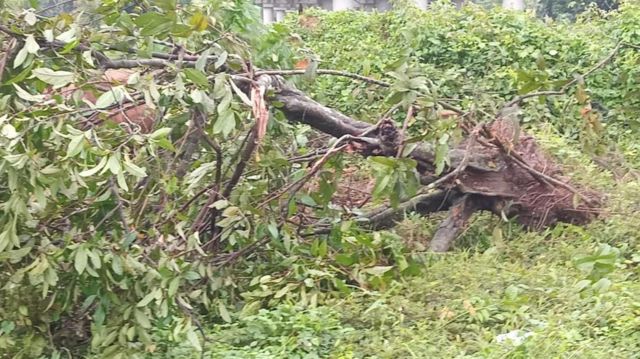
(567, 292)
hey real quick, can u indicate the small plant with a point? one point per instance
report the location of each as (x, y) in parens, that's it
(596, 267)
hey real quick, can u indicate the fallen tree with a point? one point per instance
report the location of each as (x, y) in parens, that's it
(496, 168)
(151, 174)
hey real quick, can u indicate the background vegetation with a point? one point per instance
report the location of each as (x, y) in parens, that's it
(79, 280)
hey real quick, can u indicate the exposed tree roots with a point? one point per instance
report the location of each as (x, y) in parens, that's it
(503, 171)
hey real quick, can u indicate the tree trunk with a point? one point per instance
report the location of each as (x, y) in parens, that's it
(505, 172)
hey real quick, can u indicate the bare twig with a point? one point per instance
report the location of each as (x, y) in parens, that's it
(324, 72)
(295, 186)
(130, 64)
(232, 257)
(8, 51)
(119, 208)
(403, 132)
(42, 11)
(569, 84)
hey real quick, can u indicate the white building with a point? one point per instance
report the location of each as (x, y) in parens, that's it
(274, 10)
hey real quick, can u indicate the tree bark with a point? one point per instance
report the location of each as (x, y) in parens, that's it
(454, 224)
(506, 172)
(386, 217)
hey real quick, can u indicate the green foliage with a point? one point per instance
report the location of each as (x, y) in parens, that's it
(99, 250)
(99, 246)
(284, 331)
(570, 9)
(396, 179)
(468, 303)
(96, 248)
(478, 59)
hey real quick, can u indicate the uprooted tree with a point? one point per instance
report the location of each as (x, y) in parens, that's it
(163, 141)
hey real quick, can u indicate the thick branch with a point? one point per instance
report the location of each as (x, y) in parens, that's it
(298, 107)
(454, 224)
(130, 64)
(325, 72)
(386, 217)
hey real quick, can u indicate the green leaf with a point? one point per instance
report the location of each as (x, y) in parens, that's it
(15, 255)
(323, 248)
(582, 285)
(20, 57)
(173, 286)
(94, 170)
(222, 58)
(345, 259)
(284, 290)
(75, 145)
(160, 133)
(153, 24)
(48, 35)
(381, 185)
(386, 161)
(9, 237)
(80, 260)
(146, 300)
(9, 131)
(201, 63)
(30, 17)
(94, 257)
(273, 230)
(225, 123)
(241, 94)
(56, 78)
(199, 21)
(181, 30)
(116, 265)
(602, 285)
(378, 271)
(141, 318)
(122, 182)
(27, 96)
(220, 204)
(133, 168)
(68, 36)
(88, 58)
(31, 45)
(113, 164)
(224, 314)
(113, 96)
(442, 151)
(192, 337)
(197, 77)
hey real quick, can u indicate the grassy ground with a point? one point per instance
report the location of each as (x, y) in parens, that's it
(569, 292)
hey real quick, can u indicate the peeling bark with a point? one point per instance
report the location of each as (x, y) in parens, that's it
(454, 224)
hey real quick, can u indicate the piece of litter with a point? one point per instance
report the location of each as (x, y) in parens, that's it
(516, 337)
